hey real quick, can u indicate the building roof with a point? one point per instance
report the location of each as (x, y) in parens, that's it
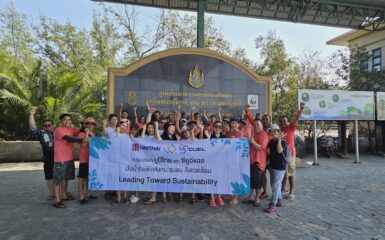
(344, 39)
(356, 14)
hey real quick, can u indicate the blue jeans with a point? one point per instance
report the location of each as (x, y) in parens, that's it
(276, 177)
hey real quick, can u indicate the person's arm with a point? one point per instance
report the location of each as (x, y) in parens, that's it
(220, 115)
(299, 113)
(177, 127)
(85, 137)
(157, 134)
(143, 131)
(192, 113)
(279, 145)
(150, 111)
(105, 133)
(136, 115)
(120, 110)
(205, 115)
(72, 139)
(192, 134)
(31, 119)
(201, 127)
(254, 144)
(250, 117)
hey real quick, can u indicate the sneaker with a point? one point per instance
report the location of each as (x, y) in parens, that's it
(212, 202)
(290, 196)
(134, 199)
(271, 209)
(220, 201)
(279, 203)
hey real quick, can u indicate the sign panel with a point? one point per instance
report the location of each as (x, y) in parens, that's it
(188, 77)
(188, 166)
(336, 105)
(381, 106)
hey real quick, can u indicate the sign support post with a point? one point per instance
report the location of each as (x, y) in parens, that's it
(315, 163)
(356, 142)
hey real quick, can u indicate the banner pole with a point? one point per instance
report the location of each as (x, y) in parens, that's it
(356, 142)
(315, 163)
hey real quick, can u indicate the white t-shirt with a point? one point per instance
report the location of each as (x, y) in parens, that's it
(111, 132)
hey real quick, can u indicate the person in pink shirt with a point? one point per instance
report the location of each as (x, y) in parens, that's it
(288, 129)
(234, 133)
(258, 144)
(64, 167)
(84, 134)
(139, 121)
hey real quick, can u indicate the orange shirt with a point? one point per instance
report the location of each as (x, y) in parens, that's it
(290, 132)
(258, 157)
(63, 150)
(84, 151)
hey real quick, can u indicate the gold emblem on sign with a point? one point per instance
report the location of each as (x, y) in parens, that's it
(131, 99)
(196, 78)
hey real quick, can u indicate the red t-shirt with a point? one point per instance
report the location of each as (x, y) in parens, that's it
(237, 134)
(290, 132)
(258, 157)
(63, 150)
(84, 151)
(140, 125)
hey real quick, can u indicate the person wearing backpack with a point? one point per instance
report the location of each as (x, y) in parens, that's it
(288, 129)
(277, 152)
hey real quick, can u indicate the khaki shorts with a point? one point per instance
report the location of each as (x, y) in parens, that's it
(291, 167)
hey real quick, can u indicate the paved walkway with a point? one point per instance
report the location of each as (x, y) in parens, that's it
(337, 200)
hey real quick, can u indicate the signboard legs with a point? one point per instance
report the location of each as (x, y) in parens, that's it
(315, 163)
(356, 142)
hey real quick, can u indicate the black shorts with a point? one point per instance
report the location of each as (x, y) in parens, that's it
(256, 177)
(48, 170)
(63, 171)
(83, 170)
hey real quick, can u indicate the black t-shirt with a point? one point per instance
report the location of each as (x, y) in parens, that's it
(220, 136)
(46, 142)
(166, 137)
(277, 160)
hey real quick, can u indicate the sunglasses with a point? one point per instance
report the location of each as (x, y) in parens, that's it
(90, 123)
(47, 125)
(218, 126)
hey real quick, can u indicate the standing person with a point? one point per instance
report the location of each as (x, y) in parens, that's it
(217, 133)
(289, 130)
(45, 138)
(84, 134)
(249, 118)
(121, 195)
(267, 124)
(64, 167)
(258, 144)
(110, 131)
(234, 133)
(277, 152)
(139, 121)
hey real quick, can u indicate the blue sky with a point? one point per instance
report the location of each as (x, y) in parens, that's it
(239, 31)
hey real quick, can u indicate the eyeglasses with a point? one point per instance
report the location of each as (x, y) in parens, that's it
(47, 125)
(218, 126)
(90, 123)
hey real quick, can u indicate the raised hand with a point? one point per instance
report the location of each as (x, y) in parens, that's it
(121, 105)
(32, 111)
(302, 105)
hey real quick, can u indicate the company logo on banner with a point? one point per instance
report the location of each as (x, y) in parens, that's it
(199, 166)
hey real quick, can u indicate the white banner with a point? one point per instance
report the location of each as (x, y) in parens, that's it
(188, 166)
(336, 105)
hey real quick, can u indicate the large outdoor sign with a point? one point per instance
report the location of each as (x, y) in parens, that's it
(200, 166)
(336, 105)
(188, 77)
(380, 105)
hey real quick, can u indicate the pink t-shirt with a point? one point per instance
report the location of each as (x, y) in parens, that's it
(84, 151)
(290, 132)
(63, 150)
(140, 125)
(258, 157)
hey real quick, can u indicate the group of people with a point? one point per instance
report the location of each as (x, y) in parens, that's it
(272, 150)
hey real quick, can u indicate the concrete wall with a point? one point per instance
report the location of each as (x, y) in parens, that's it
(26, 151)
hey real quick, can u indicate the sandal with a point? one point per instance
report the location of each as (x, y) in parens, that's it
(193, 201)
(212, 202)
(83, 201)
(50, 198)
(149, 202)
(115, 203)
(59, 205)
(68, 198)
(263, 195)
(92, 197)
(233, 202)
(180, 199)
(256, 204)
(246, 200)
